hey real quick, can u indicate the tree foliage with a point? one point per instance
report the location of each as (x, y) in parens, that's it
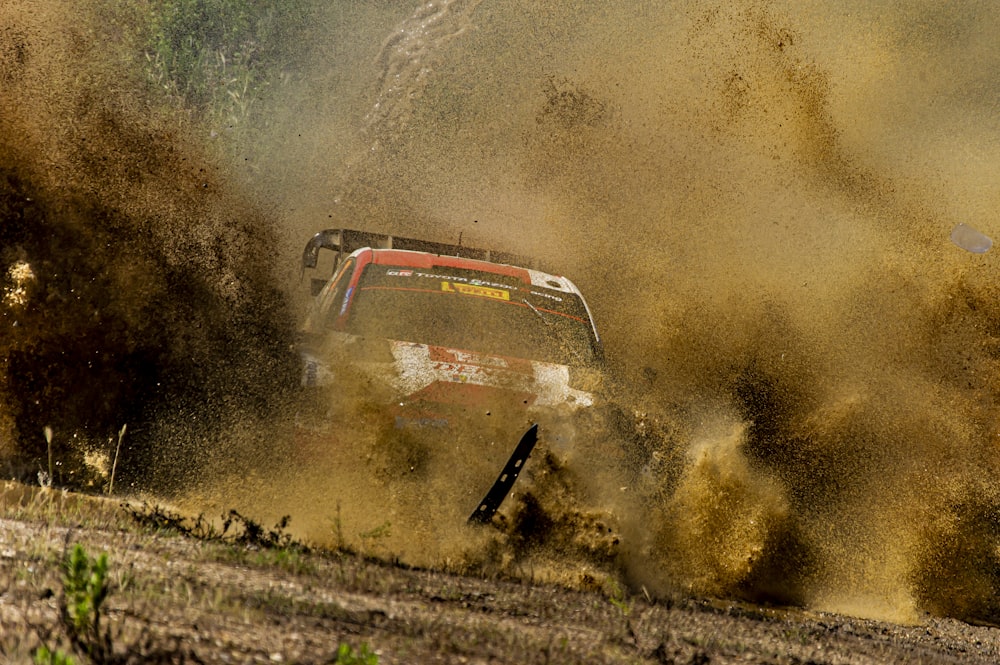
(218, 58)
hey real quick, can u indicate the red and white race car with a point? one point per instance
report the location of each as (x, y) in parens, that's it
(439, 336)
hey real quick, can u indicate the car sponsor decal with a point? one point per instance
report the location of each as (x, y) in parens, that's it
(441, 354)
(474, 281)
(419, 368)
(472, 290)
(546, 295)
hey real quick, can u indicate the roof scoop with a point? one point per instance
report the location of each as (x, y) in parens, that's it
(970, 239)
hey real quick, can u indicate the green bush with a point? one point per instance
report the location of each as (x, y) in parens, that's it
(218, 57)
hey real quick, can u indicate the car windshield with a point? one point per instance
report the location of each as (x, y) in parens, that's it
(472, 310)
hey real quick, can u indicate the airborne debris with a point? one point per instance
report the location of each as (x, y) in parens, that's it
(501, 488)
(20, 277)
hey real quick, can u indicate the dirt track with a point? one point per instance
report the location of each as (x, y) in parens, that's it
(214, 602)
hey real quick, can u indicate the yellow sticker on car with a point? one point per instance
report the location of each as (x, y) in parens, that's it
(472, 290)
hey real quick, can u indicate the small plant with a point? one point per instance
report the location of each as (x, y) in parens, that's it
(85, 588)
(618, 597)
(83, 622)
(338, 530)
(346, 655)
(45, 657)
(372, 538)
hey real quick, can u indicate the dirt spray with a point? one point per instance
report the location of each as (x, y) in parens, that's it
(757, 199)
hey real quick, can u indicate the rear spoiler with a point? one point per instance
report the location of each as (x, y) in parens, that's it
(345, 241)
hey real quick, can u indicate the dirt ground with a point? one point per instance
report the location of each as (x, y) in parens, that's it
(176, 598)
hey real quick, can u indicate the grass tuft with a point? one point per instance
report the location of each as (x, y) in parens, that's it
(346, 655)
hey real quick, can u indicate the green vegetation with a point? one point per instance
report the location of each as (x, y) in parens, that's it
(45, 657)
(85, 588)
(346, 655)
(218, 58)
(618, 597)
(84, 624)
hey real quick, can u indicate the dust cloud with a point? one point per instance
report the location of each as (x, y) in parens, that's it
(755, 197)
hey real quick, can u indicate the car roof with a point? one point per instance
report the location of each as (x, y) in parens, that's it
(426, 260)
(411, 259)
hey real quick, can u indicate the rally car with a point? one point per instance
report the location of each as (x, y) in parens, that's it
(432, 337)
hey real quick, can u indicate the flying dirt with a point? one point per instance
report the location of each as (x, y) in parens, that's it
(758, 199)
